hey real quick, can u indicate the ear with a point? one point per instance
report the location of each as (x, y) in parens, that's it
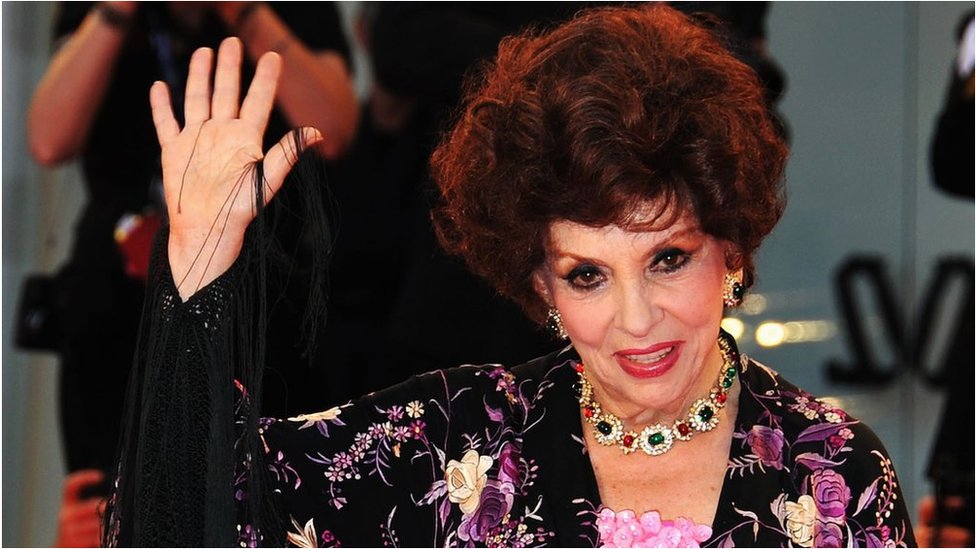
(540, 286)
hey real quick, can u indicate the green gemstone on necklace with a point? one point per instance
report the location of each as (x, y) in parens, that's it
(705, 413)
(702, 416)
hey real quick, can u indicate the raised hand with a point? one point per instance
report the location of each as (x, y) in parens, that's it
(209, 165)
(929, 533)
(79, 520)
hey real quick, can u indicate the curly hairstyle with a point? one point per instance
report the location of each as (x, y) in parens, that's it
(615, 112)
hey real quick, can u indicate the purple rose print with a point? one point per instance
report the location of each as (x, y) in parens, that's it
(767, 444)
(496, 502)
(508, 460)
(828, 534)
(831, 494)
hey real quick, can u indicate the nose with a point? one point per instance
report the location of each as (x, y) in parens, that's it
(638, 309)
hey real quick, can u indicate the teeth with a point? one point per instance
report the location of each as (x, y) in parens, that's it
(647, 359)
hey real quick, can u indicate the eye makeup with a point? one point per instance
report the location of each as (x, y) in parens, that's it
(670, 260)
(585, 277)
(585, 272)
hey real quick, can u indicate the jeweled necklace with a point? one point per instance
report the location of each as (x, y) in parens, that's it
(657, 439)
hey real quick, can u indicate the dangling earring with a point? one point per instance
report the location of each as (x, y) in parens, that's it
(732, 291)
(554, 323)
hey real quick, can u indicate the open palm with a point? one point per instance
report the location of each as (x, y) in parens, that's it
(209, 164)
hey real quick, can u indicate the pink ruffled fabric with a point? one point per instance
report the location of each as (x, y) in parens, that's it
(625, 529)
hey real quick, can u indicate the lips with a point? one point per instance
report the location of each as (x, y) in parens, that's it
(653, 361)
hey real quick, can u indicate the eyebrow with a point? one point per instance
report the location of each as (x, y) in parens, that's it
(663, 245)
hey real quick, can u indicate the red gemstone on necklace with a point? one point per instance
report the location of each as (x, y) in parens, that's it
(721, 398)
(628, 440)
(579, 367)
(683, 429)
(588, 412)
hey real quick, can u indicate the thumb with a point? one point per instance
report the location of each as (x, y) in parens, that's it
(283, 155)
(79, 480)
(926, 510)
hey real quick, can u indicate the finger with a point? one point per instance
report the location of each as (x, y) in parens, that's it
(926, 510)
(196, 103)
(80, 535)
(78, 481)
(954, 536)
(260, 96)
(942, 536)
(953, 503)
(227, 80)
(82, 511)
(79, 524)
(282, 157)
(162, 113)
(923, 535)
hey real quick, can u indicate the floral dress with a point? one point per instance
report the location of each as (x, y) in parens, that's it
(489, 456)
(468, 456)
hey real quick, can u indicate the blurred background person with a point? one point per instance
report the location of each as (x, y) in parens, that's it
(744, 29)
(946, 518)
(394, 293)
(92, 104)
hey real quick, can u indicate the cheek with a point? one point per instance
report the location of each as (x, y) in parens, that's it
(693, 302)
(700, 302)
(588, 321)
(707, 293)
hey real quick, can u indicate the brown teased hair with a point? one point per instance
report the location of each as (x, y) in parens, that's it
(617, 109)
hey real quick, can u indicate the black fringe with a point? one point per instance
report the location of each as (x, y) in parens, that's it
(187, 435)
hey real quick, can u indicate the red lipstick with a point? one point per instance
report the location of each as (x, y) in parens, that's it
(653, 361)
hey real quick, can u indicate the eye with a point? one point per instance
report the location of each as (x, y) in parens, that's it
(670, 260)
(585, 277)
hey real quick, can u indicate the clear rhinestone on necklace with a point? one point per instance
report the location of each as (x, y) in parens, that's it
(654, 440)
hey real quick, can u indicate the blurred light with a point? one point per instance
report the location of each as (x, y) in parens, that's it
(802, 331)
(734, 327)
(754, 304)
(770, 334)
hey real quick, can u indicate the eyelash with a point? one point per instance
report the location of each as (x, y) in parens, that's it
(574, 276)
(666, 262)
(676, 257)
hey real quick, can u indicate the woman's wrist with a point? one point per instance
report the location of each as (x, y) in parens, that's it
(239, 18)
(196, 258)
(117, 15)
(237, 14)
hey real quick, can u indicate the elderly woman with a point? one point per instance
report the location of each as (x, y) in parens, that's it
(615, 177)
